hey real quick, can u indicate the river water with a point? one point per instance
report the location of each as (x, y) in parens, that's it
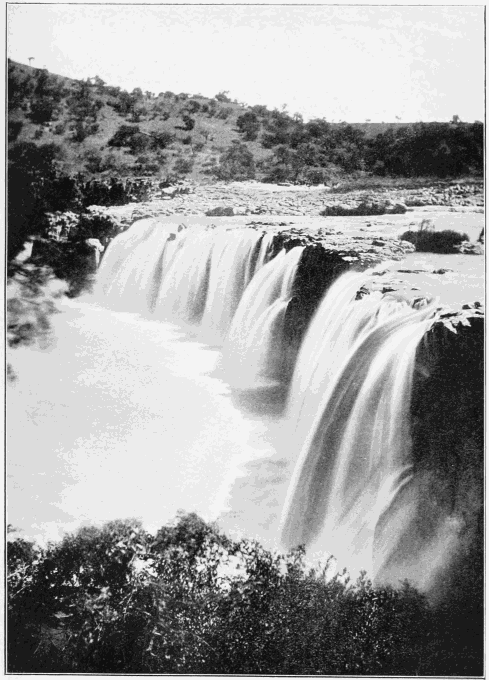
(120, 417)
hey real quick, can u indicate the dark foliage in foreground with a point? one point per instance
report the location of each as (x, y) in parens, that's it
(435, 241)
(117, 600)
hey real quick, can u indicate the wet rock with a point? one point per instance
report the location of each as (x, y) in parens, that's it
(412, 271)
(96, 248)
(468, 248)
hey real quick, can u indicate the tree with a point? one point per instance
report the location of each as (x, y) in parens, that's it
(248, 125)
(31, 190)
(117, 600)
(47, 96)
(188, 122)
(223, 97)
(19, 87)
(236, 163)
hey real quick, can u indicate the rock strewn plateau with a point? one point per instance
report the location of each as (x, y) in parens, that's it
(253, 198)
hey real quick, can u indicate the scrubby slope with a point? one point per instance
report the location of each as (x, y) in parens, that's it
(102, 130)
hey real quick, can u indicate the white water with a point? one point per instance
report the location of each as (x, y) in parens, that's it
(253, 348)
(349, 413)
(123, 417)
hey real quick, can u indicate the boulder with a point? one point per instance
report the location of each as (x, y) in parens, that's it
(468, 248)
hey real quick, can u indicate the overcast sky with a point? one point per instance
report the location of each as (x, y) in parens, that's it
(339, 63)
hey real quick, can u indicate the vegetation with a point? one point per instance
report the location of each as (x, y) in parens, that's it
(189, 600)
(427, 240)
(35, 186)
(44, 107)
(31, 300)
(236, 163)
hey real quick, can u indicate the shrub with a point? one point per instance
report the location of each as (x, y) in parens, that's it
(434, 241)
(188, 122)
(183, 166)
(220, 211)
(123, 135)
(223, 97)
(192, 106)
(224, 113)
(46, 99)
(131, 136)
(189, 600)
(31, 295)
(147, 165)
(94, 161)
(32, 190)
(236, 163)
(162, 140)
(82, 130)
(249, 125)
(19, 87)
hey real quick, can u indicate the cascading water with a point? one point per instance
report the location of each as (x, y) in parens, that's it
(253, 351)
(349, 411)
(193, 276)
(354, 492)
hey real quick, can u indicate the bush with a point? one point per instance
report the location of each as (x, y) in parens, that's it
(183, 166)
(123, 135)
(189, 600)
(162, 140)
(427, 241)
(31, 295)
(147, 165)
(236, 163)
(224, 113)
(46, 99)
(33, 189)
(220, 211)
(223, 97)
(249, 125)
(188, 122)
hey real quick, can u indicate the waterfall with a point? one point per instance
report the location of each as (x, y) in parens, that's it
(254, 351)
(349, 414)
(353, 491)
(193, 276)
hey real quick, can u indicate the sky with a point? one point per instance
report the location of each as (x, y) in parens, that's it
(351, 63)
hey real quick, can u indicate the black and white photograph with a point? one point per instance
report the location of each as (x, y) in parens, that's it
(244, 312)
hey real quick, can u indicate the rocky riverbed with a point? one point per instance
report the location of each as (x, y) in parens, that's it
(321, 215)
(253, 198)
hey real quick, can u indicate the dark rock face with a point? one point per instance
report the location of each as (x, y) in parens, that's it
(327, 255)
(448, 449)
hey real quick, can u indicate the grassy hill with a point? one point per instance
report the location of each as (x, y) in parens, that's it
(102, 131)
(199, 128)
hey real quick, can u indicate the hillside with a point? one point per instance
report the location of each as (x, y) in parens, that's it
(83, 116)
(102, 131)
